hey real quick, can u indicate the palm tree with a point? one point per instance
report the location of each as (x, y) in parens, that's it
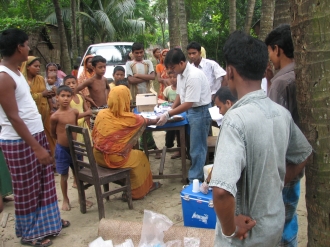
(232, 15)
(282, 12)
(183, 25)
(107, 20)
(173, 23)
(267, 18)
(65, 58)
(310, 32)
(249, 15)
(74, 43)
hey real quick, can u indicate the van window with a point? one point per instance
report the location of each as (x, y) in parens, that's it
(114, 54)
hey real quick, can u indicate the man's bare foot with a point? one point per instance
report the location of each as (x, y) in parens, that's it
(89, 204)
(74, 185)
(66, 206)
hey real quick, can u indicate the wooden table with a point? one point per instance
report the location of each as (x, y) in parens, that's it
(180, 126)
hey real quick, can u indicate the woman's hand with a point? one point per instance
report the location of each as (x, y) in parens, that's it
(45, 93)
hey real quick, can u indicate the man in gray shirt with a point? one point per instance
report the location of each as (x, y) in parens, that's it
(261, 150)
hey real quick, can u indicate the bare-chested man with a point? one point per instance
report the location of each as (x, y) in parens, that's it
(63, 116)
(97, 86)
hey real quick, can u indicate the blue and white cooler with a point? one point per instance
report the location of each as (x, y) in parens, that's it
(197, 209)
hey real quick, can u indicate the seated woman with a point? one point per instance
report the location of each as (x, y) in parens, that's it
(115, 132)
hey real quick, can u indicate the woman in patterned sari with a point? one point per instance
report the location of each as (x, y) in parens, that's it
(115, 132)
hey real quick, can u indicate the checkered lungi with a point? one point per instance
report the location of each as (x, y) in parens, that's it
(95, 111)
(36, 210)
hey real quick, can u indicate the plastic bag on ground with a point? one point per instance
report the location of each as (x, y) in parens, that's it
(127, 243)
(99, 242)
(191, 242)
(153, 228)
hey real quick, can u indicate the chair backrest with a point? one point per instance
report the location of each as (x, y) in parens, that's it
(81, 149)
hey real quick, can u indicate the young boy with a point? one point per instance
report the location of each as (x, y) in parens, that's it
(98, 88)
(283, 92)
(170, 95)
(139, 72)
(63, 116)
(170, 91)
(78, 102)
(260, 149)
(50, 85)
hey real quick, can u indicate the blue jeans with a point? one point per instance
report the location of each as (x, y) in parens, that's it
(290, 193)
(199, 122)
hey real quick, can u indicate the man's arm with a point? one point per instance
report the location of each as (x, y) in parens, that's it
(145, 77)
(181, 108)
(9, 105)
(133, 80)
(293, 170)
(53, 123)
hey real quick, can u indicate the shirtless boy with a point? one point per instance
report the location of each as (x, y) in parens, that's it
(63, 116)
(98, 87)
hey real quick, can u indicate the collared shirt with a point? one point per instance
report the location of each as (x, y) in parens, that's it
(191, 87)
(283, 90)
(256, 140)
(214, 73)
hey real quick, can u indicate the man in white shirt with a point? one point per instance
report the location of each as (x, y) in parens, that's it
(214, 73)
(194, 98)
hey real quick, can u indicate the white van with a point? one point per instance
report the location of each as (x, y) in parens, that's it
(116, 53)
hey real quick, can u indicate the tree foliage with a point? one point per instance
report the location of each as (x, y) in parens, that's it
(28, 25)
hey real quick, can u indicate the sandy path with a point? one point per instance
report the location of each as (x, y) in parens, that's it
(165, 200)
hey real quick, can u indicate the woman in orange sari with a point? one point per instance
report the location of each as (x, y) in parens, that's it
(162, 76)
(115, 132)
(30, 69)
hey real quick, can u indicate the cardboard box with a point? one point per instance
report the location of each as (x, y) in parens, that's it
(197, 209)
(146, 102)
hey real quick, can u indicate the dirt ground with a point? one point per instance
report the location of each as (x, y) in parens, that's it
(166, 200)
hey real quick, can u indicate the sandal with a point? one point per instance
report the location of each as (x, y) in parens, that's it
(155, 186)
(124, 197)
(39, 242)
(65, 223)
(176, 155)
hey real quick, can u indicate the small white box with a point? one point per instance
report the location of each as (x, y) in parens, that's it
(146, 102)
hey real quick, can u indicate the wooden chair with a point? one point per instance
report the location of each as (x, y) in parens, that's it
(93, 174)
(211, 141)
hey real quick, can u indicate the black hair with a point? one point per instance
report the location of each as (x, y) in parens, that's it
(98, 59)
(58, 66)
(118, 68)
(154, 50)
(137, 46)
(68, 77)
(248, 55)
(63, 88)
(174, 56)
(75, 66)
(194, 45)
(123, 82)
(224, 94)
(281, 36)
(10, 39)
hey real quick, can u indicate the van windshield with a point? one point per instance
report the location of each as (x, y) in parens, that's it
(114, 54)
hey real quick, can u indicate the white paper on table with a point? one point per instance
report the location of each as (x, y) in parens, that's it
(215, 115)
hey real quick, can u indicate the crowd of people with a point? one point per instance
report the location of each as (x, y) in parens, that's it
(260, 153)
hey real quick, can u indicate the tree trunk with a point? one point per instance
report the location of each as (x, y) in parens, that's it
(232, 15)
(74, 32)
(80, 33)
(65, 58)
(249, 15)
(267, 18)
(173, 23)
(28, 2)
(183, 26)
(282, 13)
(310, 32)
